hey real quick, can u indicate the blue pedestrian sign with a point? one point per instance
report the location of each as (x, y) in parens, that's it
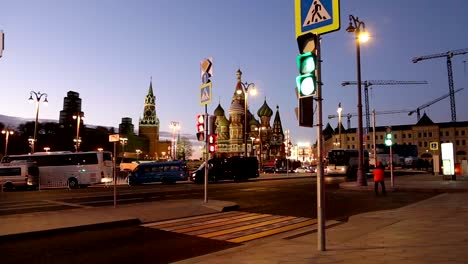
(205, 93)
(317, 16)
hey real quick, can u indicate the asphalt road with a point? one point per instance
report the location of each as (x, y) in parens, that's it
(290, 197)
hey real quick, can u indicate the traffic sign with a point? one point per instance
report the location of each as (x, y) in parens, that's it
(206, 69)
(317, 16)
(114, 138)
(434, 145)
(205, 93)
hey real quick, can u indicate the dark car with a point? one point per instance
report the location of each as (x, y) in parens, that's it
(269, 169)
(234, 168)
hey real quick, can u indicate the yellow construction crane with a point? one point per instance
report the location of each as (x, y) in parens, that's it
(367, 84)
(448, 55)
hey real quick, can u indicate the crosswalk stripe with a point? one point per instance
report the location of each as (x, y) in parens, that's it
(228, 221)
(240, 228)
(272, 231)
(177, 222)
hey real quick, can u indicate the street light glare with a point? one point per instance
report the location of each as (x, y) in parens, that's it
(253, 91)
(363, 37)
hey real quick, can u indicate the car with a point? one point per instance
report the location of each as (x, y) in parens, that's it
(303, 169)
(283, 170)
(269, 169)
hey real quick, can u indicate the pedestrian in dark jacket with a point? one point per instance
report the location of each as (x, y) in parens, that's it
(379, 177)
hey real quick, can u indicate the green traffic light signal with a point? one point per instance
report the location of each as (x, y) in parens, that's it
(388, 139)
(306, 82)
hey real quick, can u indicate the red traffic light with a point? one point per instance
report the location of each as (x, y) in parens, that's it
(212, 148)
(212, 139)
(200, 123)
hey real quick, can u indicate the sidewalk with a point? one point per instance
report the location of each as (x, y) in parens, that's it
(431, 231)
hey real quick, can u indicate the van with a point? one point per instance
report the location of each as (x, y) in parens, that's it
(19, 174)
(234, 168)
(164, 172)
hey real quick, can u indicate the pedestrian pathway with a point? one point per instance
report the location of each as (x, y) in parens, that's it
(236, 227)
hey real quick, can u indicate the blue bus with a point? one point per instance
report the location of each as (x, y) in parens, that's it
(167, 172)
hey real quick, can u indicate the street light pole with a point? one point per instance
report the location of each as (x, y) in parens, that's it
(78, 118)
(355, 26)
(38, 96)
(245, 89)
(7, 133)
(339, 123)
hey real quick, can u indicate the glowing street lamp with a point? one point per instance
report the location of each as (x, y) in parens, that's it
(37, 98)
(7, 133)
(246, 88)
(340, 109)
(138, 152)
(359, 28)
(78, 118)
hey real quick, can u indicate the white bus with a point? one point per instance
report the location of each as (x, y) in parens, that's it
(345, 162)
(72, 169)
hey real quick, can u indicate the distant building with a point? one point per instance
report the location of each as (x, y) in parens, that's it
(421, 135)
(71, 107)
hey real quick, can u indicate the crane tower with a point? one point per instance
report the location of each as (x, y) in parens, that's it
(367, 84)
(448, 55)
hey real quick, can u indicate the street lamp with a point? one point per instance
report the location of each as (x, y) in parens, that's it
(78, 121)
(37, 97)
(138, 152)
(339, 123)
(123, 142)
(355, 25)
(7, 133)
(253, 91)
(175, 126)
(252, 149)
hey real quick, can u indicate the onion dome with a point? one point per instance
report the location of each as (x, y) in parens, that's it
(219, 111)
(236, 108)
(265, 110)
(253, 121)
(222, 121)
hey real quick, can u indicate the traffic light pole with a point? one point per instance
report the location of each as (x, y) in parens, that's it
(320, 181)
(205, 200)
(391, 167)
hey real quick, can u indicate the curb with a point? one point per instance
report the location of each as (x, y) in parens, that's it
(69, 229)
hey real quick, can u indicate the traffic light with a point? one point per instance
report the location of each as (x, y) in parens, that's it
(306, 111)
(212, 143)
(306, 82)
(388, 137)
(201, 127)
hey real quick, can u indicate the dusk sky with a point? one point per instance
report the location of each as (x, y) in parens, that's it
(107, 51)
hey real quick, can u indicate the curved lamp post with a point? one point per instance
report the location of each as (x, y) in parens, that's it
(37, 98)
(7, 133)
(359, 28)
(246, 88)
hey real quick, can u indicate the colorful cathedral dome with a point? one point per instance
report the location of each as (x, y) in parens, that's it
(265, 110)
(236, 108)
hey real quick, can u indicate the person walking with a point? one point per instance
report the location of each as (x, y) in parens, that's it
(379, 177)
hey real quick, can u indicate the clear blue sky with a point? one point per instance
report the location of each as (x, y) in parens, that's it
(107, 50)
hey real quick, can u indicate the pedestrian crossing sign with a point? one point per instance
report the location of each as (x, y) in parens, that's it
(434, 145)
(317, 16)
(205, 93)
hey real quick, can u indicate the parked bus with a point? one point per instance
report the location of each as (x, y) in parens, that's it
(164, 172)
(345, 162)
(19, 174)
(72, 169)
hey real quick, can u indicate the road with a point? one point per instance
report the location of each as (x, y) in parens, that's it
(291, 198)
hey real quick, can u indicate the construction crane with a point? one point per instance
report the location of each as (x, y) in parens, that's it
(367, 84)
(417, 110)
(349, 115)
(410, 112)
(448, 55)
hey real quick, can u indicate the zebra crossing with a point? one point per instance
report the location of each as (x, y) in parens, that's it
(235, 227)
